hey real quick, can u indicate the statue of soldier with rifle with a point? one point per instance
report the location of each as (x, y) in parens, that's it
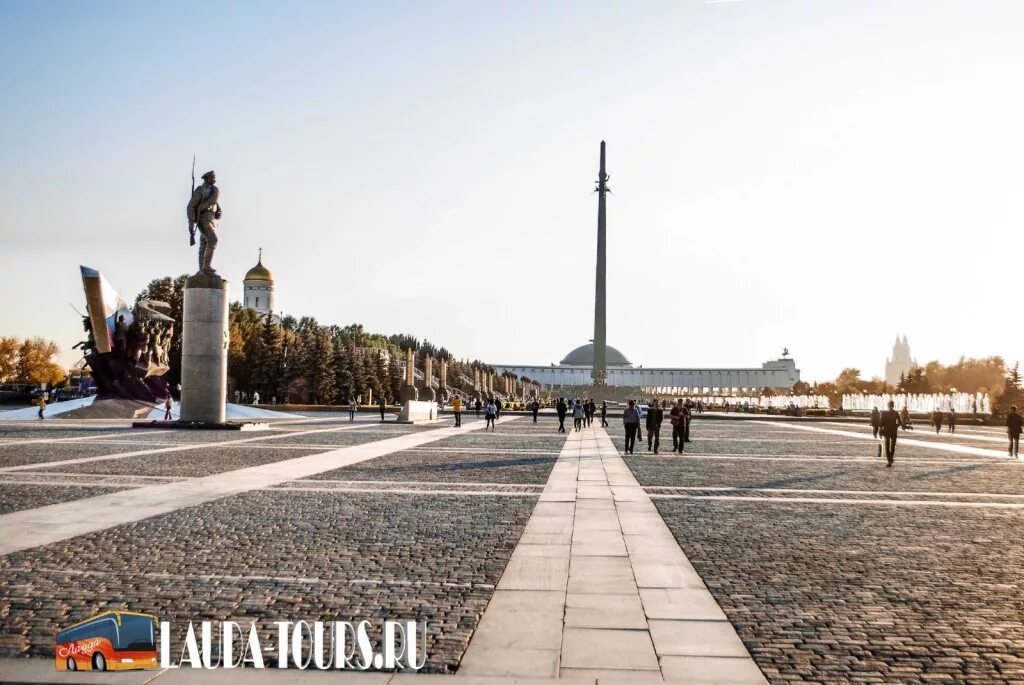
(204, 212)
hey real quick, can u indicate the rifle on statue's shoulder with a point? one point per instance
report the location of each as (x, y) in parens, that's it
(192, 224)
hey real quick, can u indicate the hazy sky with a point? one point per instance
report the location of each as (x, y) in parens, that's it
(817, 174)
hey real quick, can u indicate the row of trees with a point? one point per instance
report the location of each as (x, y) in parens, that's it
(989, 375)
(30, 360)
(302, 361)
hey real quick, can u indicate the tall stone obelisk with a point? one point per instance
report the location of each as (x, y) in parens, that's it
(600, 372)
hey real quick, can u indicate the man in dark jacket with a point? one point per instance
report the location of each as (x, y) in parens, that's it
(631, 422)
(535, 407)
(937, 419)
(562, 408)
(1013, 430)
(891, 423)
(952, 420)
(876, 421)
(678, 419)
(655, 415)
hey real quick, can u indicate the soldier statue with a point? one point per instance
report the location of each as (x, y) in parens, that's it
(204, 212)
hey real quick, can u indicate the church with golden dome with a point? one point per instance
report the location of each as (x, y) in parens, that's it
(258, 288)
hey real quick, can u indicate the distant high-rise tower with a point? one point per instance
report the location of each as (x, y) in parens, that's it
(600, 372)
(900, 363)
(258, 290)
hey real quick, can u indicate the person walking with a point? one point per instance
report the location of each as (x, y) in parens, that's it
(577, 415)
(497, 410)
(383, 407)
(490, 415)
(168, 403)
(905, 419)
(42, 406)
(677, 417)
(561, 409)
(892, 421)
(477, 407)
(631, 421)
(876, 421)
(951, 417)
(655, 415)
(457, 410)
(535, 408)
(1014, 425)
(255, 398)
(639, 421)
(604, 414)
(937, 420)
(687, 416)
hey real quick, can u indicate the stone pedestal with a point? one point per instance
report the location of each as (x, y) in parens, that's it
(204, 349)
(418, 412)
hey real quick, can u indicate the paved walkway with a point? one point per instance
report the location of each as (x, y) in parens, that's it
(598, 588)
(29, 528)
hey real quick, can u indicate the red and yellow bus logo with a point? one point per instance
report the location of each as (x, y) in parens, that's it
(111, 641)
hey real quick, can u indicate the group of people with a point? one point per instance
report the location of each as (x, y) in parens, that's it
(889, 422)
(679, 416)
(583, 413)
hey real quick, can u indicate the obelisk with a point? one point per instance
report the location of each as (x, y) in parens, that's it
(600, 372)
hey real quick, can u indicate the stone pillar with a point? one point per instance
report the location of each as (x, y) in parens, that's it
(409, 389)
(204, 349)
(428, 394)
(444, 374)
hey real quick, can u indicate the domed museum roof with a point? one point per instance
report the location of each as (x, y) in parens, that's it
(259, 273)
(584, 356)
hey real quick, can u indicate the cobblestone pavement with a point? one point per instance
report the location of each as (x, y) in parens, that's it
(517, 452)
(270, 555)
(834, 590)
(14, 497)
(307, 549)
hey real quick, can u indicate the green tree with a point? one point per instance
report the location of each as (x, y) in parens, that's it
(1012, 393)
(268, 359)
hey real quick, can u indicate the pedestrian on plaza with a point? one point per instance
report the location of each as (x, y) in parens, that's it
(383, 407)
(687, 416)
(639, 422)
(952, 420)
(591, 412)
(490, 415)
(578, 414)
(892, 421)
(351, 410)
(631, 421)
(937, 420)
(604, 414)
(876, 421)
(168, 403)
(535, 407)
(255, 398)
(457, 410)
(1014, 425)
(678, 419)
(562, 409)
(655, 415)
(905, 419)
(42, 406)
(497, 409)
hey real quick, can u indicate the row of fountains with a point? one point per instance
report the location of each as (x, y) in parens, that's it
(923, 403)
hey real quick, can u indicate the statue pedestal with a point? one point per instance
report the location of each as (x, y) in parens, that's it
(418, 412)
(204, 349)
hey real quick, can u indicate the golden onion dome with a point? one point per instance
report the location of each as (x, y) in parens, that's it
(259, 273)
